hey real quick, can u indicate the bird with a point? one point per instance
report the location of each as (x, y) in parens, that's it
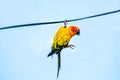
(61, 40)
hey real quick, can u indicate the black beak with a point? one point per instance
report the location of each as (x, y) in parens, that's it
(78, 33)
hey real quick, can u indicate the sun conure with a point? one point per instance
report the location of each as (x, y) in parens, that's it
(61, 41)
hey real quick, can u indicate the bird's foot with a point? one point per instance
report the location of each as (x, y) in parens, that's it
(71, 46)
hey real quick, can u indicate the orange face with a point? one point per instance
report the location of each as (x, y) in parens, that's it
(75, 30)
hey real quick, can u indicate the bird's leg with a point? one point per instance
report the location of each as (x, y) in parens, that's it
(71, 46)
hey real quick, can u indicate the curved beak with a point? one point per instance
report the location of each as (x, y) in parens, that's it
(78, 33)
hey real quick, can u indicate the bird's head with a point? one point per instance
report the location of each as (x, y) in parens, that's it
(75, 30)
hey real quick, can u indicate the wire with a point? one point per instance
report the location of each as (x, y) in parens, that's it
(55, 22)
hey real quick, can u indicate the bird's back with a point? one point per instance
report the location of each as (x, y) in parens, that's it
(61, 38)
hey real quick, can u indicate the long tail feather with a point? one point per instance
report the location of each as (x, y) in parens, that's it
(59, 64)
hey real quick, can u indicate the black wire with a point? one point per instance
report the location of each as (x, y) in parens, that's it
(55, 22)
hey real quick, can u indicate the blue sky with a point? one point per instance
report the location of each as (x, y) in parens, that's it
(23, 51)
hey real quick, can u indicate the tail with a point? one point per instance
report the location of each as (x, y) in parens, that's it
(59, 64)
(51, 53)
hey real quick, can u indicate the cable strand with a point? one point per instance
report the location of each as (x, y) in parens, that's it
(55, 22)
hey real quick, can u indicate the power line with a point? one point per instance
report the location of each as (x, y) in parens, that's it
(55, 22)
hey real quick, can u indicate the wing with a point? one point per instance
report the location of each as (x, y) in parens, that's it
(57, 38)
(61, 39)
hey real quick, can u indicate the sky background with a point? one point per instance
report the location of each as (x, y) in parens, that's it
(23, 51)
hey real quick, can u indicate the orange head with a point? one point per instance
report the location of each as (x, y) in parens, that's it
(74, 30)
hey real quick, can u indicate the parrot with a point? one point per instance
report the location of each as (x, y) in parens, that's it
(61, 40)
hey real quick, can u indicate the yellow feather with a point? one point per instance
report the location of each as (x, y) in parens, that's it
(62, 37)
